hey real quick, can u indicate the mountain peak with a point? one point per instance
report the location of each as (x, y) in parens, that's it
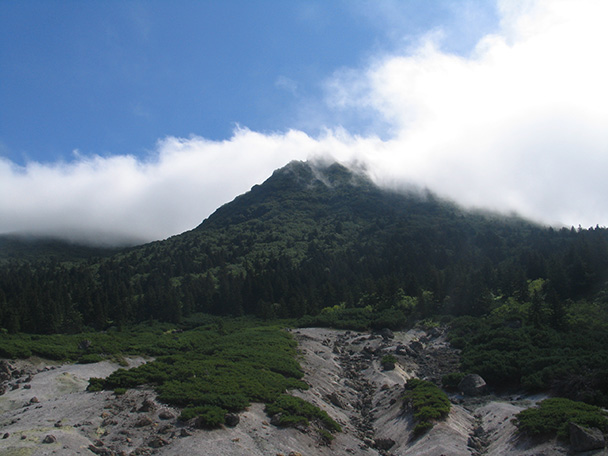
(312, 173)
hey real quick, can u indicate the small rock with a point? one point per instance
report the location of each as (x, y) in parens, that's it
(6, 435)
(34, 400)
(157, 442)
(185, 433)
(27, 386)
(166, 429)
(147, 406)
(144, 421)
(50, 438)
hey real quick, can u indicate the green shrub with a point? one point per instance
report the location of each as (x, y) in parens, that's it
(552, 416)
(452, 380)
(96, 384)
(210, 416)
(90, 358)
(295, 411)
(326, 436)
(388, 362)
(428, 401)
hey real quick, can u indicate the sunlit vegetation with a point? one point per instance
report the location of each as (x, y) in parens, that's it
(564, 351)
(552, 418)
(212, 370)
(428, 402)
(293, 411)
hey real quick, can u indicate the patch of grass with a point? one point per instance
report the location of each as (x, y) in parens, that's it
(428, 401)
(552, 417)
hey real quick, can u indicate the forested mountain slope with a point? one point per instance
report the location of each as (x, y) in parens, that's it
(308, 238)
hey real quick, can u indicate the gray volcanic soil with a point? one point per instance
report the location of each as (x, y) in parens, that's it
(347, 380)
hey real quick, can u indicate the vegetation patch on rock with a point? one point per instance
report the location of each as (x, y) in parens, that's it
(428, 402)
(293, 411)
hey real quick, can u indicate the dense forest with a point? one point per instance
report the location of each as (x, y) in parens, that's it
(313, 238)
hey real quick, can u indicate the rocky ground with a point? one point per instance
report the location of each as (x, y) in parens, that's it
(46, 411)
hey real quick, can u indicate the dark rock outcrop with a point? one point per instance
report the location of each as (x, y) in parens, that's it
(585, 439)
(384, 444)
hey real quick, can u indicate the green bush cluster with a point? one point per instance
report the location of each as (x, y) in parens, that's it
(224, 370)
(388, 362)
(357, 318)
(535, 358)
(552, 417)
(428, 401)
(208, 416)
(295, 411)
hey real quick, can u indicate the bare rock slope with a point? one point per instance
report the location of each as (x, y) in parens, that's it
(46, 411)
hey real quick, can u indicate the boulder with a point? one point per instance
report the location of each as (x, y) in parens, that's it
(157, 442)
(336, 400)
(231, 419)
(585, 439)
(386, 334)
(50, 438)
(166, 415)
(275, 420)
(416, 346)
(144, 421)
(472, 385)
(384, 444)
(84, 345)
(147, 406)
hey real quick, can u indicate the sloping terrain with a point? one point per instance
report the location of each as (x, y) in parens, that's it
(347, 380)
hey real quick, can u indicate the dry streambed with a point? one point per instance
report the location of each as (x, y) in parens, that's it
(46, 410)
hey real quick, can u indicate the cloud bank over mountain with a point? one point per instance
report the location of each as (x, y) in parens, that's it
(520, 123)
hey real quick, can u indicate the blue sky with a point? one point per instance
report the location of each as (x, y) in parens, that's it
(114, 77)
(129, 121)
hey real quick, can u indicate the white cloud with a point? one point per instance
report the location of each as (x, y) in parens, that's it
(120, 197)
(520, 124)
